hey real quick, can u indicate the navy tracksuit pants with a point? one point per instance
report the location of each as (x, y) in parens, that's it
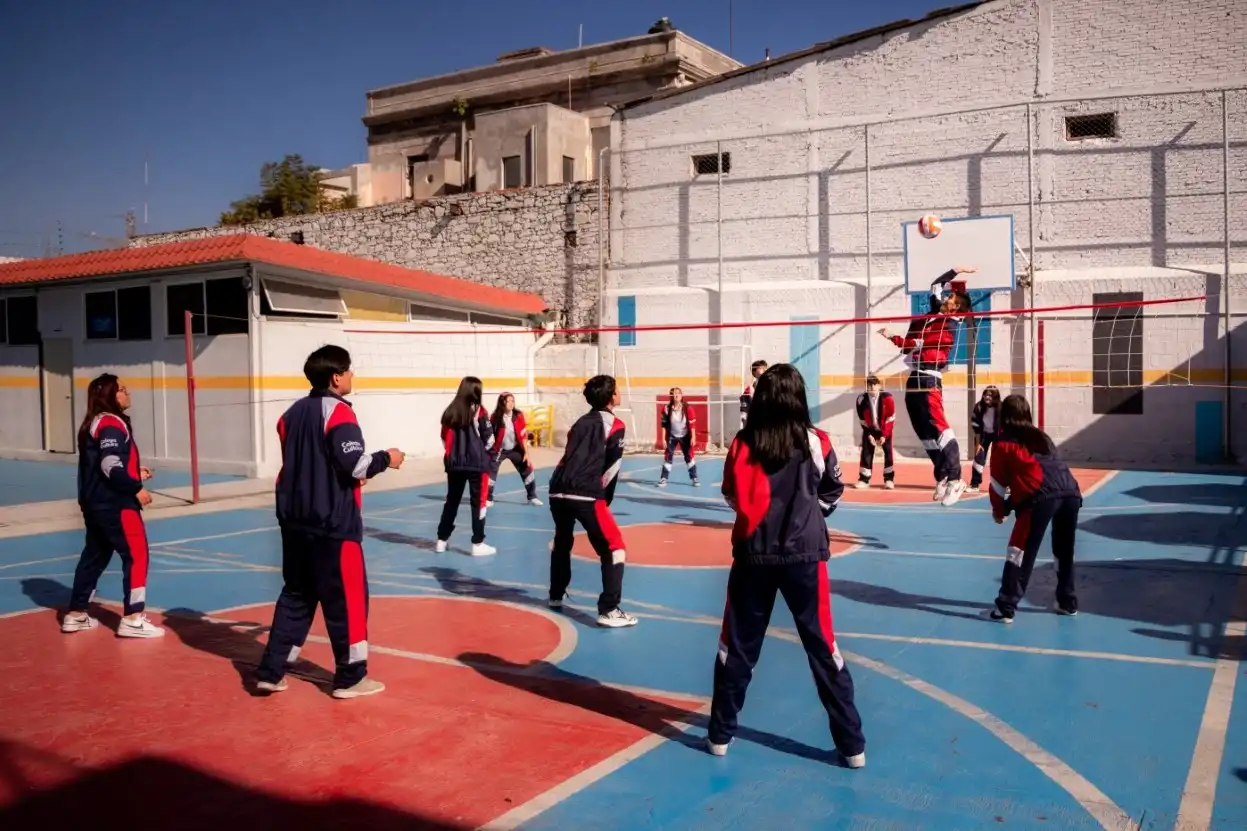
(924, 401)
(1029, 527)
(123, 532)
(516, 456)
(866, 464)
(685, 445)
(751, 594)
(477, 485)
(603, 533)
(329, 573)
(980, 458)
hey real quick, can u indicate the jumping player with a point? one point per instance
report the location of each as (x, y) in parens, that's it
(112, 497)
(679, 427)
(984, 421)
(926, 346)
(511, 443)
(877, 412)
(782, 479)
(1030, 480)
(467, 438)
(581, 490)
(320, 512)
(756, 368)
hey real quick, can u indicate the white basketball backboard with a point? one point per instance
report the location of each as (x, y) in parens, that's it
(985, 242)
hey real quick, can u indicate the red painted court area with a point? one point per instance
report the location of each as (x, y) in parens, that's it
(914, 483)
(107, 721)
(689, 545)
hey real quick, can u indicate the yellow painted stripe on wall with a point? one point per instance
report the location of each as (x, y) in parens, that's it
(19, 382)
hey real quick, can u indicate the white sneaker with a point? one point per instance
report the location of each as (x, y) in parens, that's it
(717, 749)
(535, 502)
(489, 503)
(856, 762)
(555, 604)
(862, 485)
(616, 619)
(363, 688)
(272, 686)
(697, 483)
(441, 546)
(138, 627)
(941, 490)
(78, 622)
(662, 483)
(955, 490)
(889, 485)
(482, 549)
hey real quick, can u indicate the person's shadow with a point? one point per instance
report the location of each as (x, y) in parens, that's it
(657, 717)
(456, 582)
(49, 594)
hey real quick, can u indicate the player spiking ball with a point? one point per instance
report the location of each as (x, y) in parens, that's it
(926, 347)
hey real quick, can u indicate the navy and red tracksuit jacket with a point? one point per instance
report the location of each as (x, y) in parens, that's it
(109, 476)
(931, 338)
(466, 449)
(881, 425)
(780, 515)
(323, 461)
(1020, 478)
(499, 426)
(690, 418)
(589, 469)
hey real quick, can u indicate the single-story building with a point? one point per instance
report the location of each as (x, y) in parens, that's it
(258, 307)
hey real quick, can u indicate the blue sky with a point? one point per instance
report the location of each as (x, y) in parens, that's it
(209, 91)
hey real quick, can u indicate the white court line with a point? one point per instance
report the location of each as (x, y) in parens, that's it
(1095, 486)
(40, 562)
(206, 537)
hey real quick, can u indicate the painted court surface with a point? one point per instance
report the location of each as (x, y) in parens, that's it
(502, 714)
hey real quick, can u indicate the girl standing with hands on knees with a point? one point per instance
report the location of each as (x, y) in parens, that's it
(679, 426)
(467, 438)
(783, 479)
(112, 496)
(511, 443)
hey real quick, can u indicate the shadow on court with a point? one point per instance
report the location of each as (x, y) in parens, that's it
(456, 582)
(158, 793)
(550, 682)
(50, 594)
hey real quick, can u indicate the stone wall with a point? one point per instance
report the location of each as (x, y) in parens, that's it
(542, 240)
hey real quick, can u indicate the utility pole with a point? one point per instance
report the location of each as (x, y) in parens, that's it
(131, 223)
(60, 238)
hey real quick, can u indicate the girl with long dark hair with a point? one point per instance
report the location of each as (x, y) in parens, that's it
(1029, 480)
(467, 438)
(783, 479)
(511, 443)
(985, 423)
(112, 496)
(679, 427)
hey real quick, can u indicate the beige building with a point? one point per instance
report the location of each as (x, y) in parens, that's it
(535, 117)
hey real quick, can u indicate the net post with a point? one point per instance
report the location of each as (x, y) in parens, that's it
(190, 404)
(1039, 373)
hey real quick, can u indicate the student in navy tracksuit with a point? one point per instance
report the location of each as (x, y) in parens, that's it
(926, 347)
(1030, 480)
(112, 497)
(877, 413)
(985, 423)
(581, 490)
(324, 465)
(679, 427)
(746, 397)
(511, 443)
(782, 478)
(467, 439)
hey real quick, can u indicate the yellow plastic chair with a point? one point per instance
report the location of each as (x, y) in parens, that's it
(540, 420)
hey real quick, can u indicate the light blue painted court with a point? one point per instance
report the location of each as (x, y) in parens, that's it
(1052, 723)
(23, 481)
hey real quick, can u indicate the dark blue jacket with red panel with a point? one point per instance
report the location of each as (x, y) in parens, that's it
(323, 465)
(1021, 478)
(780, 515)
(931, 338)
(590, 465)
(466, 449)
(109, 477)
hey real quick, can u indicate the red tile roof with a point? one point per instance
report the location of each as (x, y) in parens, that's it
(250, 248)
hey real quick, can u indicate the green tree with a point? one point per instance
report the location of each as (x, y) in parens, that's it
(290, 187)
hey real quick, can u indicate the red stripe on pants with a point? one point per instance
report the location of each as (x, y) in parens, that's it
(824, 606)
(610, 529)
(484, 493)
(351, 561)
(935, 405)
(1021, 530)
(136, 540)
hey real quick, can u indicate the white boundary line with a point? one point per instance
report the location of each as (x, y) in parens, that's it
(1104, 480)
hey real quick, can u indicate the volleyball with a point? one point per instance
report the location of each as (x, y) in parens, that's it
(929, 226)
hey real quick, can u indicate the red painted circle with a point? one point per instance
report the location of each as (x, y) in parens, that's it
(683, 545)
(914, 484)
(169, 724)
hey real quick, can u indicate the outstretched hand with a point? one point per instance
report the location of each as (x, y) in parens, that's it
(966, 269)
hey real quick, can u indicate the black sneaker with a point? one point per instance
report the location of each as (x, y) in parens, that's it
(1061, 610)
(998, 616)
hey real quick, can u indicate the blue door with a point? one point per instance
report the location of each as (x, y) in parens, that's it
(803, 349)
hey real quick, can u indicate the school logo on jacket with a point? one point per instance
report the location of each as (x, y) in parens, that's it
(352, 447)
(109, 444)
